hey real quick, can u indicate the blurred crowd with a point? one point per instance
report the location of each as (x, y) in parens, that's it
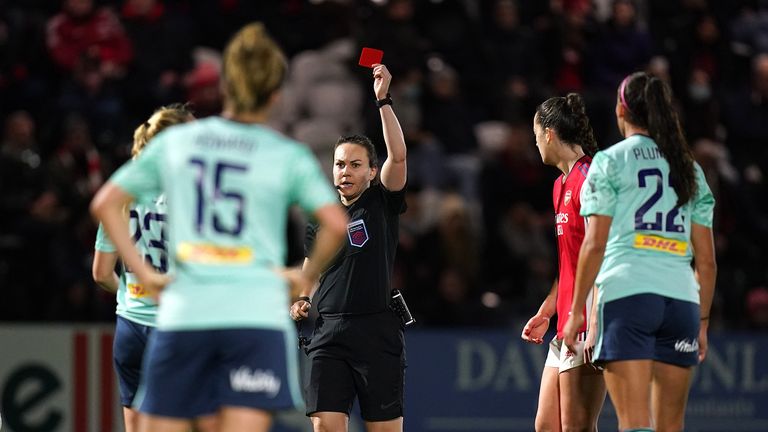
(477, 244)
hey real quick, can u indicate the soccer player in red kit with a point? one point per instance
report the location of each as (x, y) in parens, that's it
(572, 391)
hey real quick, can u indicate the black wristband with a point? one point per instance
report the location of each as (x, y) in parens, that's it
(305, 298)
(386, 101)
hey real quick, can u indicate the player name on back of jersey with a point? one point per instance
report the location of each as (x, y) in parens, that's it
(647, 153)
(231, 143)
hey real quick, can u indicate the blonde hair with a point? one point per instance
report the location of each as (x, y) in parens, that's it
(254, 67)
(162, 118)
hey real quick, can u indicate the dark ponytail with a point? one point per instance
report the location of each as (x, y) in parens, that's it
(648, 101)
(568, 117)
(585, 136)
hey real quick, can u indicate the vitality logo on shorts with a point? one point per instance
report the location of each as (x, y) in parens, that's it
(357, 233)
(256, 381)
(687, 346)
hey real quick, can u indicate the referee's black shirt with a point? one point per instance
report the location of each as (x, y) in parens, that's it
(359, 280)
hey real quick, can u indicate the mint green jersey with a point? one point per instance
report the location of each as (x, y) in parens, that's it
(649, 248)
(147, 228)
(229, 187)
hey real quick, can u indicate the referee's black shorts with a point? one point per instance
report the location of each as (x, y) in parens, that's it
(360, 355)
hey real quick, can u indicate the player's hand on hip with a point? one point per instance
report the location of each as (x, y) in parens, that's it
(153, 282)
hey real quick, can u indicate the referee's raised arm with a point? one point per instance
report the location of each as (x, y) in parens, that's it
(394, 171)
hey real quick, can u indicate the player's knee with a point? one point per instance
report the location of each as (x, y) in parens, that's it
(577, 423)
(325, 427)
(328, 424)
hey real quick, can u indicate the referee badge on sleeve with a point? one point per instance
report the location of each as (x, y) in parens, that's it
(357, 233)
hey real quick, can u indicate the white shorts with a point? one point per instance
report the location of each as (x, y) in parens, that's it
(561, 357)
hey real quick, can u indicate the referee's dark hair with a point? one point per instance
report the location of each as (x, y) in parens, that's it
(363, 141)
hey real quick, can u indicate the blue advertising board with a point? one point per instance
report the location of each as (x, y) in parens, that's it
(489, 381)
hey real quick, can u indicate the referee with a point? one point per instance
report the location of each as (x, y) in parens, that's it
(357, 348)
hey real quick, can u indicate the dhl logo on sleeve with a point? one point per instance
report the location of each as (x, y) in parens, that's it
(213, 254)
(137, 291)
(661, 244)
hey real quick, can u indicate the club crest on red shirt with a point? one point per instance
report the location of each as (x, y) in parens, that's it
(567, 198)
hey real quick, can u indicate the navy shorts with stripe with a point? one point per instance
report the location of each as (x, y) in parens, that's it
(192, 373)
(648, 326)
(128, 348)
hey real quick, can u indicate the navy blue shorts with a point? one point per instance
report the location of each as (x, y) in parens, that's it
(648, 326)
(192, 373)
(128, 350)
(359, 356)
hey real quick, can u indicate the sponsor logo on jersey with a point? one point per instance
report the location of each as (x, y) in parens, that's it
(357, 233)
(567, 198)
(137, 291)
(661, 244)
(212, 254)
(687, 346)
(560, 218)
(244, 379)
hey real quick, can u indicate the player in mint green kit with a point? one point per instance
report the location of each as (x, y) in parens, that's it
(136, 310)
(650, 213)
(224, 344)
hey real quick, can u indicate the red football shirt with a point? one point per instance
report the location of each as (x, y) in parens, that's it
(570, 227)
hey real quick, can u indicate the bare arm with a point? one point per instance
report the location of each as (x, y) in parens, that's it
(593, 310)
(537, 326)
(706, 272)
(103, 270)
(330, 236)
(590, 259)
(394, 170)
(107, 206)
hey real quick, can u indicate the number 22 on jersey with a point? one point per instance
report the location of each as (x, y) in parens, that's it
(645, 220)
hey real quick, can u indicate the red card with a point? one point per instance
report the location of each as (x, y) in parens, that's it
(370, 57)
